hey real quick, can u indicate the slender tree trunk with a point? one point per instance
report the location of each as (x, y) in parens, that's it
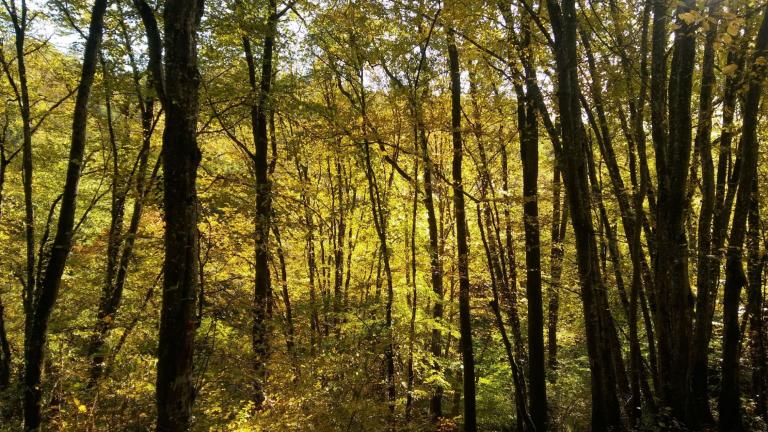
(411, 240)
(509, 289)
(436, 267)
(338, 250)
(20, 21)
(259, 117)
(558, 230)
(756, 303)
(699, 412)
(5, 348)
(630, 223)
(290, 331)
(606, 413)
(46, 292)
(465, 318)
(529, 154)
(314, 324)
(380, 216)
(120, 246)
(509, 293)
(523, 419)
(730, 395)
(672, 142)
(5, 352)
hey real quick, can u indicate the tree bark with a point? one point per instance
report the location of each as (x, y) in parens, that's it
(462, 249)
(47, 290)
(262, 284)
(529, 154)
(606, 413)
(436, 267)
(180, 158)
(672, 142)
(558, 231)
(699, 412)
(120, 245)
(730, 395)
(5, 348)
(755, 304)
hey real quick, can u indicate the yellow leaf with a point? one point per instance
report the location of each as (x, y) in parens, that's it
(733, 28)
(80, 407)
(688, 17)
(730, 69)
(761, 61)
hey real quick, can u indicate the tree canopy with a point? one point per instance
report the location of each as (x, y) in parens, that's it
(383, 215)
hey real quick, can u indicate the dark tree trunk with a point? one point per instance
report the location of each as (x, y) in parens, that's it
(509, 288)
(755, 305)
(259, 117)
(672, 142)
(699, 412)
(180, 158)
(606, 413)
(410, 273)
(290, 331)
(338, 250)
(120, 245)
(5, 348)
(47, 290)
(462, 249)
(524, 421)
(380, 217)
(436, 267)
(631, 226)
(529, 154)
(488, 219)
(20, 21)
(730, 395)
(5, 352)
(558, 230)
(314, 324)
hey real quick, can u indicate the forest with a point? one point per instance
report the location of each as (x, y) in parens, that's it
(383, 215)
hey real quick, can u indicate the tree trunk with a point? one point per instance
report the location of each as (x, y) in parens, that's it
(20, 22)
(699, 412)
(46, 292)
(523, 419)
(436, 267)
(730, 395)
(5, 348)
(529, 154)
(462, 249)
(262, 284)
(411, 242)
(755, 305)
(672, 142)
(180, 158)
(558, 230)
(120, 245)
(606, 414)
(290, 331)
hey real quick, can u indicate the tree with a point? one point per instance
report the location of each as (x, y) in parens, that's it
(605, 407)
(177, 84)
(729, 404)
(47, 289)
(465, 317)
